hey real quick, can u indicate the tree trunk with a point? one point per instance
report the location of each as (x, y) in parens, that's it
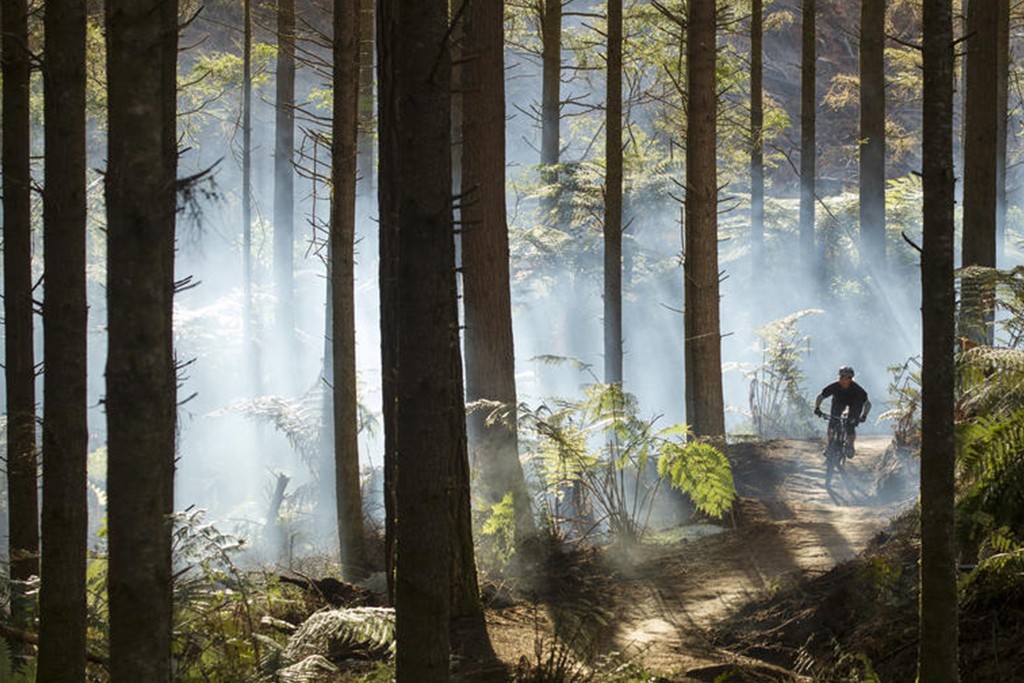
(343, 327)
(366, 102)
(981, 122)
(490, 353)
(551, 103)
(18, 316)
(284, 183)
(1002, 121)
(141, 383)
(613, 199)
(62, 602)
(252, 363)
(808, 148)
(937, 654)
(757, 136)
(704, 404)
(418, 253)
(872, 134)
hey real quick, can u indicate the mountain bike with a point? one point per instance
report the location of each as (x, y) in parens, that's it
(838, 447)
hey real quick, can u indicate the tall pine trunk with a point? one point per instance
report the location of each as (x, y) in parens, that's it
(937, 653)
(757, 136)
(1002, 115)
(62, 603)
(550, 12)
(419, 320)
(613, 199)
(141, 383)
(704, 404)
(872, 133)
(18, 316)
(808, 145)
(284, 181)
(251, 353)
(980, 129)
(366, 102)
(487, 300)
(342, 275)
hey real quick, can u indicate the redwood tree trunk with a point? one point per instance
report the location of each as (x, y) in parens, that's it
(366, 102)
(981, 124)
(141, 383)
(1002, 115)
(418, 253)
(872, 133)
(487, 301)
(613, 200)
(18, 317)
(62, 603)
(704, 404)
(808, 148)
(551, 101)
(343, 318)
(937, 653)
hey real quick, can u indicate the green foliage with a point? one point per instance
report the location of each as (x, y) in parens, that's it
(595, 459)
(778, 407)
(701, 471)
(26, 673)
(499, 529)
(905, 399)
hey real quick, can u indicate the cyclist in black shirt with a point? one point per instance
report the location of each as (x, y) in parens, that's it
(845, 394)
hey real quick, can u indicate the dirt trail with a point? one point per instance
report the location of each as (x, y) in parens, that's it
(787, 525)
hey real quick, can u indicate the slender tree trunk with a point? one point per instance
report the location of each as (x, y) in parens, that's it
(981, 122)
(366, 101)
(757, 136)
(937, 654)
(418, 280)
(1002, 121)
(141, 383)
(343, 329)
(284, 181)
(252, 363)
(550, 12)
(872, 133)
(808, 146)
(613, 200)
(62, 603)
(18, 316)
(487, 300)
(704, 404)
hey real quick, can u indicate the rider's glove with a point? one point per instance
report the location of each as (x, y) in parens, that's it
(817, 411)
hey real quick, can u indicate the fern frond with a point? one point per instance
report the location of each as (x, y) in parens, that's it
(701, 471)
(338, 634)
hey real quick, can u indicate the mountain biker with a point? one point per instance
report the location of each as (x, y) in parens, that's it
(846, 394)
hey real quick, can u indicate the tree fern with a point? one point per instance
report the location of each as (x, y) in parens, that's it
(339, 634)
(702, 472)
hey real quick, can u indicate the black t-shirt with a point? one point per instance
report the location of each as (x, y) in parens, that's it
(853, 396)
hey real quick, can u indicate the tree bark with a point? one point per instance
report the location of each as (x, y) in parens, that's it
(937, 654)
(141, 383)
(251, 354)
(65, 513)
(550, 12)
(757, 136)
(981, 122)
(344, 161)
(704, 404)
(613, 199)
(808, 145)
(366, 102)
(872, 134)
(18, 311)
(1002, 121)
(487, 300)
(418, 300)
(284, 181)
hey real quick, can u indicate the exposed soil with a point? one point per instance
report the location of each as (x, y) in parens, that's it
(660, 604)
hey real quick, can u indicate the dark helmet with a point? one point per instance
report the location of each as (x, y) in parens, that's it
(846, 371)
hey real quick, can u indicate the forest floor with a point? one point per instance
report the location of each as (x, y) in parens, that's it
(663, 605)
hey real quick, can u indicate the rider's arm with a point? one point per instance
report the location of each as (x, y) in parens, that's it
(866, 410)
(818, 400)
